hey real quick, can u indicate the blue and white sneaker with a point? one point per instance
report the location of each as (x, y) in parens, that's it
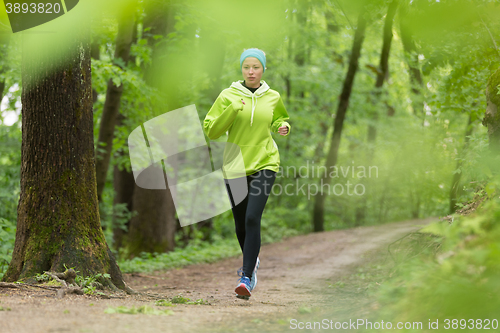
(253, 281)
(243, 289)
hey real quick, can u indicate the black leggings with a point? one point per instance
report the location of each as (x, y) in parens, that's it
(247, 215)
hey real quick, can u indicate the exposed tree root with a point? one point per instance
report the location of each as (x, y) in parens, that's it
(9, 285)
(70, 290)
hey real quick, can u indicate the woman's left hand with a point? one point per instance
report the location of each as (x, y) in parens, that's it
(283, 130)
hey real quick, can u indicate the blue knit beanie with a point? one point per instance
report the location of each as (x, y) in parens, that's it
(254, 53)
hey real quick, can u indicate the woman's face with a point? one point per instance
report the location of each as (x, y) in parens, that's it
(252, 72)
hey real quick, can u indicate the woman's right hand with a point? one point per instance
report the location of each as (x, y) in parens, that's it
(238, 105)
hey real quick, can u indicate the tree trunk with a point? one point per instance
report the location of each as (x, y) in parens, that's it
(113, 96)
(416, 80)
(153, 228)
(382, 74)
(151, 231)
(319, 204)
(300, 42)
(383, 71)
(95, 53)
(123, 184)
(123, 180)
(332, 28)
(58, 219)
(492, 116)
(455, 189)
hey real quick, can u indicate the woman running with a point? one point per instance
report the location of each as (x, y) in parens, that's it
(248, 110)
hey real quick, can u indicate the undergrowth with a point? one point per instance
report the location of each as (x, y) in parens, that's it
(457, 276)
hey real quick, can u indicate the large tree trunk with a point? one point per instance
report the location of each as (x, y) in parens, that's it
(113, 95)
(382, 74)
(153, 228)
(58, 219)
(331, 160)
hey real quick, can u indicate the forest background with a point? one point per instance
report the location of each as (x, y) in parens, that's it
(391, 93)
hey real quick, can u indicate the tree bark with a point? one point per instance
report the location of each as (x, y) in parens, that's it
(319, 204)
(58, 219)
(113, 95)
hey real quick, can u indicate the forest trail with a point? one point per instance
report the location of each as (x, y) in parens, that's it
(294, 274)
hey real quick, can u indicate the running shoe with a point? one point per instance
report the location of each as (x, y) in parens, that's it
(253, 281)
(243, 288)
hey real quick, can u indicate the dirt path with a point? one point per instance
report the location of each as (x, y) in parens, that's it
(294, 275)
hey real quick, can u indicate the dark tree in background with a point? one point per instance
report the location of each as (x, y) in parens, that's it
(58, 218)
(331, 160)
(492, 118)
(153, 228)
(113, 95)
(382, 76)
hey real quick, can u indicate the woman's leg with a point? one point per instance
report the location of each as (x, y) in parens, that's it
(258, 192)
(239, 212)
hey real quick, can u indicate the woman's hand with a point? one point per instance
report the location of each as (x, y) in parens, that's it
(283, 130)
(238, 106)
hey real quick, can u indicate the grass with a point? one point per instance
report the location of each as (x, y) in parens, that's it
(179, 299)
(144, 309)
(191, 254)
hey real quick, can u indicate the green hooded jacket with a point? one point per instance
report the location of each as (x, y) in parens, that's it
(249, 126)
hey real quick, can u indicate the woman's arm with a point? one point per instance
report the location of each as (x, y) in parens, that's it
(220, 117)
(279, 117)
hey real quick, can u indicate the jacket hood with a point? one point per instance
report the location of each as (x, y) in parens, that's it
(242, 90)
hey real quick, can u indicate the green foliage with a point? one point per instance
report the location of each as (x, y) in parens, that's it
(163, 302)
(7, 238)
(460, 281)
(10, 164)
(416, 152)
(89, 284)
(42, 277)
(179, 299)
(191, 254)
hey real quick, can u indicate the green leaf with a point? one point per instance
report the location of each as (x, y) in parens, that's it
(438, 228)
